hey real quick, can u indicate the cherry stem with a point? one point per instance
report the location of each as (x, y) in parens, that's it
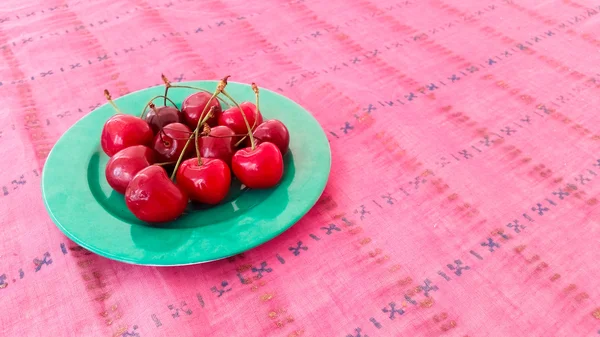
(252, 142)
(109, 99)
(197, 131)
(160, 134)
(220, 87)
(200, 89)
(203, 134)
(167, 86)
(181, 157)
(153, 98)
(236, 135)
(255, 89)
(165, 163)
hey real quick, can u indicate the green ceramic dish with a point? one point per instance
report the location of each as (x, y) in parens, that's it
(89, 212)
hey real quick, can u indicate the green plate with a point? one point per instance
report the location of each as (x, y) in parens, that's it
(89, 212)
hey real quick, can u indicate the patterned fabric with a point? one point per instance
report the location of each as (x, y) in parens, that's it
(463, 199)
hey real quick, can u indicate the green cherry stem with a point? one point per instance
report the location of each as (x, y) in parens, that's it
(181, 157)
(252, 142)
(205, 134)
(151, 102)
(164, 164)
(200, 89)
(169, 85)
(220, 87)
(255, 89)
(109, 99)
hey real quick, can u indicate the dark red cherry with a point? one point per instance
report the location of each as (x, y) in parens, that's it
(258, 168)
(169, 142)
(160, 117)
(194, 105)
(272, 131)
(121, 131)
(125, 164)
(152, 197)
(232, 118)
(207, 183)
(220, 144)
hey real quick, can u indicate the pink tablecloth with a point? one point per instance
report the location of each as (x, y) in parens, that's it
(463, 199)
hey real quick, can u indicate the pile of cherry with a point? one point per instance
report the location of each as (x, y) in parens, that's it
(227, 144)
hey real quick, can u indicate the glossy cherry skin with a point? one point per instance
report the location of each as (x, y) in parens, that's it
(121, 131)
(125, 164)
(193, 106)
(207, 183)
(232, 118)
(220, 146)
(163, 116)
(258, 168)
(272, 131)
(152, 197)
(169, 143)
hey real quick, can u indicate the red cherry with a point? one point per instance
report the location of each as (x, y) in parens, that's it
(272, 131)
(121, 131)
(152, 197)
(207, 183)
(125, 164)
(193, 106)
(258, 168)
(220, 146)
(159, 117)
(233, 119)
(170, 141)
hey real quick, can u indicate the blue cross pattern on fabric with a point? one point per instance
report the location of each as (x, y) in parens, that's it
(490, 244)
(131, 333)
(582, 179)
(391, 309)
(388, 198)
(347, 127)
(182, 307)
(418, 181)
(561, 194)
(370, 108)
(362, 212)
(516, 226)
(508, 131)
(458, 267)
(465, 154)
(427, 287)
(358, 333)
(263, 269)
(40, 263)
(296, 250)
(221, 291)
(329, 229)
(540, 209)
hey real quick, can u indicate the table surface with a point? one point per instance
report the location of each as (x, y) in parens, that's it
(463, 198)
